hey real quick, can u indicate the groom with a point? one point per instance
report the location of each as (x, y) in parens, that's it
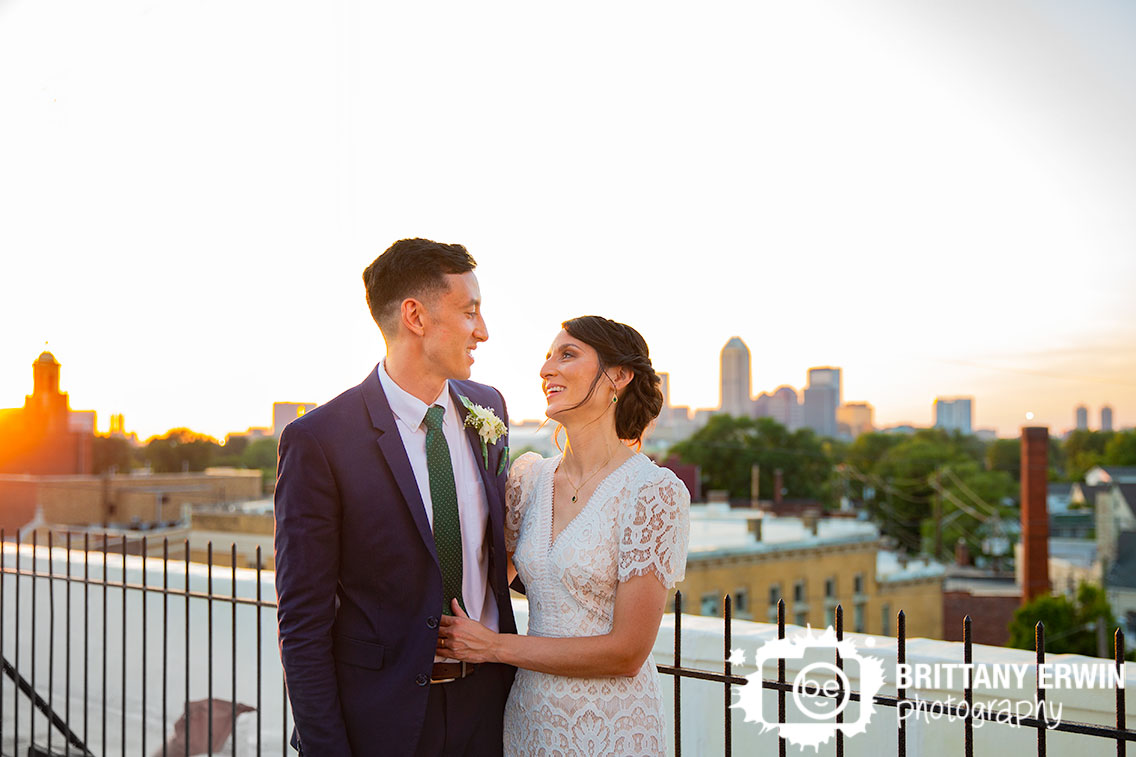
(388, 507)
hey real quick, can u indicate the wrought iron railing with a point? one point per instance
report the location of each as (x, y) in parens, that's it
(70, 730)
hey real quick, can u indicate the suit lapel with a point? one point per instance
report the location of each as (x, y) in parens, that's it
(390, 442)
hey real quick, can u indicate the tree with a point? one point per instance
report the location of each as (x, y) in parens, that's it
(1084, 450)
(109, 452)
(903, 499)
(181, 449)
(972, 504)
(1005, 455)
(1070, 626)
(727, 448)
(260, 454)
(1121, 449)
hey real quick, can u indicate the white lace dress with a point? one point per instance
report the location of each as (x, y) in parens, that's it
(637, 522)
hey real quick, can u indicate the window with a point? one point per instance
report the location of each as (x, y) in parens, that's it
(801, 618)
(858, 583)
(741, 601)
(774, 595)
(710, 605)
(858, 618)
(829, 616)
(885, 625)
(799, 591)
(829, 588)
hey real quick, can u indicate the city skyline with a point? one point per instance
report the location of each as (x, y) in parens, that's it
(936, 199)
(109, 418)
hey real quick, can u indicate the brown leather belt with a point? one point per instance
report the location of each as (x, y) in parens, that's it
(444, 672)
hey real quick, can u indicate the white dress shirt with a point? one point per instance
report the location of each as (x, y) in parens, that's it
(473, 507)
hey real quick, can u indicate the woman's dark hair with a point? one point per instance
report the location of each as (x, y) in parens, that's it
(410, 268)
(618, 344)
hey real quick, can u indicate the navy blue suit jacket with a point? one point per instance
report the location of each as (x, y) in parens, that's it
(358, 586)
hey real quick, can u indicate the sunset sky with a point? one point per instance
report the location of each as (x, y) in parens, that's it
(937, 197)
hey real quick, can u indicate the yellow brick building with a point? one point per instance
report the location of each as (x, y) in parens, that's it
(814, 566)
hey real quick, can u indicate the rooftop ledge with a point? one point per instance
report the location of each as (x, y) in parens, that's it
(702, 649)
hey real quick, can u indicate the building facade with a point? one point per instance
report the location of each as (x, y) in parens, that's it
(814, 564)
(955, 414)
(854, 419)
(736, 382)
(45, 436)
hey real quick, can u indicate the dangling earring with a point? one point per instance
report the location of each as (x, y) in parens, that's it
(614, 398)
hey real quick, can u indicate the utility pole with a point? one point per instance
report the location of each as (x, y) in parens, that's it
(755, 486)
(937, 505)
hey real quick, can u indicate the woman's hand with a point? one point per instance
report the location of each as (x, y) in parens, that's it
(465, 639)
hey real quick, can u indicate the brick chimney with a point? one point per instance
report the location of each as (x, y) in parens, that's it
(962, 554)
(778, 485)
(1035, 514)
(754, 526)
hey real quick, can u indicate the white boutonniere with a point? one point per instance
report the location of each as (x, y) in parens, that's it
(489, 427)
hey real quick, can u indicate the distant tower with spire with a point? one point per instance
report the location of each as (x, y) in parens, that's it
(45, 436)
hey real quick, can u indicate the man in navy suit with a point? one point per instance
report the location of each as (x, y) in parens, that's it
(388, 506)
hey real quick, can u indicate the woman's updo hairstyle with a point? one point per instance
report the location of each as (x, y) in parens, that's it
(617, 344)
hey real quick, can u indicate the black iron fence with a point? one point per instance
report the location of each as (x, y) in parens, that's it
(133, 633)
(168, 652)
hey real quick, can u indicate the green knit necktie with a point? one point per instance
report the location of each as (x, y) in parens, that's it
(444, 499)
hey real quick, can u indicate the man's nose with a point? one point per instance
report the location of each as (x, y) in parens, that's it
(481, 331)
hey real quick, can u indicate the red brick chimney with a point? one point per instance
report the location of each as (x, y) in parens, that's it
(1035, 514)
(778, 484)
(962, 554)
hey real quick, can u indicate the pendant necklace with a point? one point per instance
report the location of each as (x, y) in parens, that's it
(576, 489)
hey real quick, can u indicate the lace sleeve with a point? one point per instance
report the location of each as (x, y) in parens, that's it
(656, 529)
(517, 490)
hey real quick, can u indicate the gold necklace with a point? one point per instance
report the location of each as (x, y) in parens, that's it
(576, 489)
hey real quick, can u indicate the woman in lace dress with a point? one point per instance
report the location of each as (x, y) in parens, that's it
(597, 535)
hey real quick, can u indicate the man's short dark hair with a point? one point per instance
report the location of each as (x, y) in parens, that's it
(410, 268)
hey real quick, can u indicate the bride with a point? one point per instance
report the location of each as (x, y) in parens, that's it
(598, 535)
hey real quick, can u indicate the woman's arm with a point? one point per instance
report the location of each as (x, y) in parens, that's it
(639, 605)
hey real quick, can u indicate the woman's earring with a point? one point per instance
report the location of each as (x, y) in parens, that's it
(614, 398)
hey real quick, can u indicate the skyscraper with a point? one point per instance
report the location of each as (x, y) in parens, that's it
(827, 377)
(735, 396)
(857, 416)
(1082, 418)
(1106, 418)
(284, 413)
(955, 414)
(822, 397)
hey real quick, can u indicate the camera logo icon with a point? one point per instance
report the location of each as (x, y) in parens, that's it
(819, 690)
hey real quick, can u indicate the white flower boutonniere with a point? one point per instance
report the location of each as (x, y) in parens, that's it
(489, 427)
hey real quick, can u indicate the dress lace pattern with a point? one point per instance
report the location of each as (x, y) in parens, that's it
(636, 522)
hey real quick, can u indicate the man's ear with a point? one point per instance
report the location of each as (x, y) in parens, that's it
(412, 316)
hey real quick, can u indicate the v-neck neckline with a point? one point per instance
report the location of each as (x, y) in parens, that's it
(552, 540)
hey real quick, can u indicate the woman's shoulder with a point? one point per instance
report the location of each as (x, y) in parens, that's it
(527, 466)
(651, 474)
(527, 460)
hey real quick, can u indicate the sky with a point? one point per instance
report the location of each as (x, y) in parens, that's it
(936, 197)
